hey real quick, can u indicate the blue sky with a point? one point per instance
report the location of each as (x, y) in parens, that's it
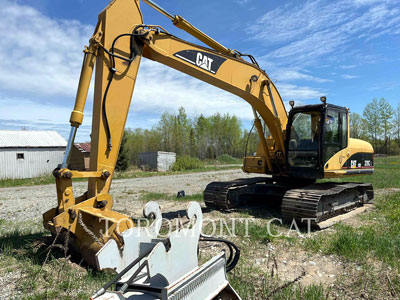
(347, 50)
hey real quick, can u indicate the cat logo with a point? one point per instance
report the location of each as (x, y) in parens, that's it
(204, 60)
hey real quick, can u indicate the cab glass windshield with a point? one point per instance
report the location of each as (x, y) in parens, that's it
(304, 139)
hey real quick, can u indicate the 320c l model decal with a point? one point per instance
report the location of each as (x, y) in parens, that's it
(204, 60)
(360, 161)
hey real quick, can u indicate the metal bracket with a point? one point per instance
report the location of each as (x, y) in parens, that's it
(135, 240)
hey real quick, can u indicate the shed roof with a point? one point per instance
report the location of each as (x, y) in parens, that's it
(83, 147)
(26, 138)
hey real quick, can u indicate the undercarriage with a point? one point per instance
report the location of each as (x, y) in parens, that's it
(298, 200)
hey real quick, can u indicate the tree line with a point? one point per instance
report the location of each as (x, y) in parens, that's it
(202, 137)
(379, 124)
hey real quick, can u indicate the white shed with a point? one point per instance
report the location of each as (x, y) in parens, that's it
(160, 161)
(27, 154)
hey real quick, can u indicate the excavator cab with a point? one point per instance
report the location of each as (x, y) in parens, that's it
(314, 134)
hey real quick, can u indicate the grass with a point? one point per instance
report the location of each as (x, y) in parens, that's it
(23, 251)
(373, 247)
(252, 282)
(41, 180)
(379, 239)
(386, 174)
(163, 196)
(253, 231)
(228, 160)
(257, 231)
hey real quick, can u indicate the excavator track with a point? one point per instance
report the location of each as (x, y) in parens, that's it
(219, 194)
(316, 202)
(322, 201)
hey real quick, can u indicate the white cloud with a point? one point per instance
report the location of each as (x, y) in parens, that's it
(291, 21)
(346, 67)
(242, 2)
(287, 74)
(39, 55)
(32, 115)
(305, 32)
(18, 108)
(348, 76)
(367, 2)
(291, 91)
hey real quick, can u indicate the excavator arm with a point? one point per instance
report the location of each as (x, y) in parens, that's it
(119, 42)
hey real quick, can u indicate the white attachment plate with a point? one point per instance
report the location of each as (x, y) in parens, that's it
(165, 266)
(111, 257)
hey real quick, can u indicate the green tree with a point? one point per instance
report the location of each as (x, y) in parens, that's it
(181, 133)
(202, 136)
(372, 121)
(165, 128)
(386, 114)
(356, 125)
(396, 123)
(123, 157)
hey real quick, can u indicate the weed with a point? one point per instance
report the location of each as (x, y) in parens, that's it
(163, 196)
(40, 180)
(253, 283)
(257, 232)
(22, 248)
(186, 163)
(228, 160)
(379, 240)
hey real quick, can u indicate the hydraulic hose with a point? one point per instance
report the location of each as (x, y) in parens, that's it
(233, 259)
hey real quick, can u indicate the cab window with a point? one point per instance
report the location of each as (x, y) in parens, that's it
(335, 133)
(304, 139)
(304, 134)
(332, 128)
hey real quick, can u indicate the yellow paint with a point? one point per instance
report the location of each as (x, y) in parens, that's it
(333, 167)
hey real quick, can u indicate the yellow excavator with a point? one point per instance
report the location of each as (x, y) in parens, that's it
(311, 142)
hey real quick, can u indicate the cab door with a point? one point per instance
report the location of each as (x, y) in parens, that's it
(335, 137)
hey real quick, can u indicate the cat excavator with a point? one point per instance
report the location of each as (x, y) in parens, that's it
(295, 149)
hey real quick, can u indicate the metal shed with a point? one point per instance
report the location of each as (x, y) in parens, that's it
(27, 154)
(159, 160)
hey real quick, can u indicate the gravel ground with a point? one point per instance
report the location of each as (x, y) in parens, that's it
(30, 202)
